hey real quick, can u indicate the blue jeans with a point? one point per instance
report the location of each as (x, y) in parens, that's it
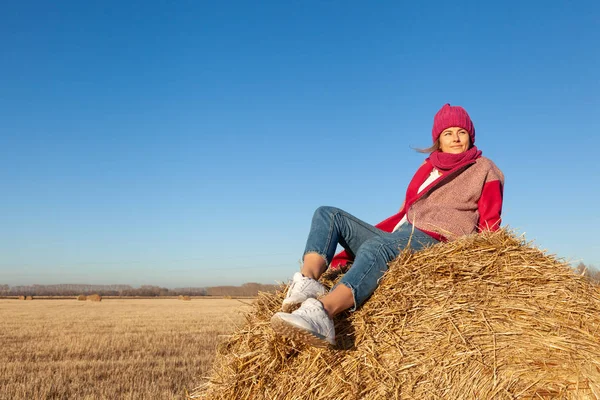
(371, 247)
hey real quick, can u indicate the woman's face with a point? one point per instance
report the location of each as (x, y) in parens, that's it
(454, 140)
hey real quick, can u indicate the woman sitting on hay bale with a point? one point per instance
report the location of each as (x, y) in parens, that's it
(455, 192)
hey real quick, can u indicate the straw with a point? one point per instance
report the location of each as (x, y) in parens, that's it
(486, 316)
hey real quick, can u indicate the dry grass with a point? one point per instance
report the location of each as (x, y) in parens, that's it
(126, 349)
(484, 317)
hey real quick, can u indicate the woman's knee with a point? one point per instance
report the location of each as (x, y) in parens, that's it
(325, 211)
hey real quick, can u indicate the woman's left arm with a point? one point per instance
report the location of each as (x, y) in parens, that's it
(490, 205)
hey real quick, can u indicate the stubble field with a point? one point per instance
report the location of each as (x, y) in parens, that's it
(118, 348)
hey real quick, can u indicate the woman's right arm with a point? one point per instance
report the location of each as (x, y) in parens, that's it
(490, 202)
(490, 206)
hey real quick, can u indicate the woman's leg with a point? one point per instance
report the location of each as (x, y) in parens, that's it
(370, 264)
(312, 323)
(313, 266)
(329, 227)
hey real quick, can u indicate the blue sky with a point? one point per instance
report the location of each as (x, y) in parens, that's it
(188, 143)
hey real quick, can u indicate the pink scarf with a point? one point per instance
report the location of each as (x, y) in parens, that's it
(446, 161)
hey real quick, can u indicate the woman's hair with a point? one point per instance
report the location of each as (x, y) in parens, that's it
(431, 149)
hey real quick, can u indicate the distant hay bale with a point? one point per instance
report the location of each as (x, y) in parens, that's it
(186, 298)
(81, 297)
(94, 297)
(486, 316)
(180, 297)
(21, 297)
(29, 298)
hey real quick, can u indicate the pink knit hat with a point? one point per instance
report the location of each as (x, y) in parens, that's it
(450, 116)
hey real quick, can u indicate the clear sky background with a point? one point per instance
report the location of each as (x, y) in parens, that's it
(188, 143)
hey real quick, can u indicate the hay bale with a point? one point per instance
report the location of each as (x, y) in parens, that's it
(486, 316)
(81, 297)
(94, 297)
(29, 298)
(186, 298)
(21, 297)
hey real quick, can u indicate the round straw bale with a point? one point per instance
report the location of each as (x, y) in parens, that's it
(21, 297)
(486, 316)
(29, 298)
(81, 297)
(186, 298)
(94, 297)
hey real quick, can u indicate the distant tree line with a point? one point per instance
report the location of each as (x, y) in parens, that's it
(245, 290)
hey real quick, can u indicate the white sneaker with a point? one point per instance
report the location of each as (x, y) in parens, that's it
(300, 289)
(309, 324)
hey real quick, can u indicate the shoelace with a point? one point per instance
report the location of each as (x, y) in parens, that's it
(293, 285)
(305, 311)
(313, 315)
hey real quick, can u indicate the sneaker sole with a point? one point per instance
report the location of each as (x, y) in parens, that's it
(295, 333)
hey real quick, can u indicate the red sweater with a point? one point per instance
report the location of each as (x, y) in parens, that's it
(464, 200)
